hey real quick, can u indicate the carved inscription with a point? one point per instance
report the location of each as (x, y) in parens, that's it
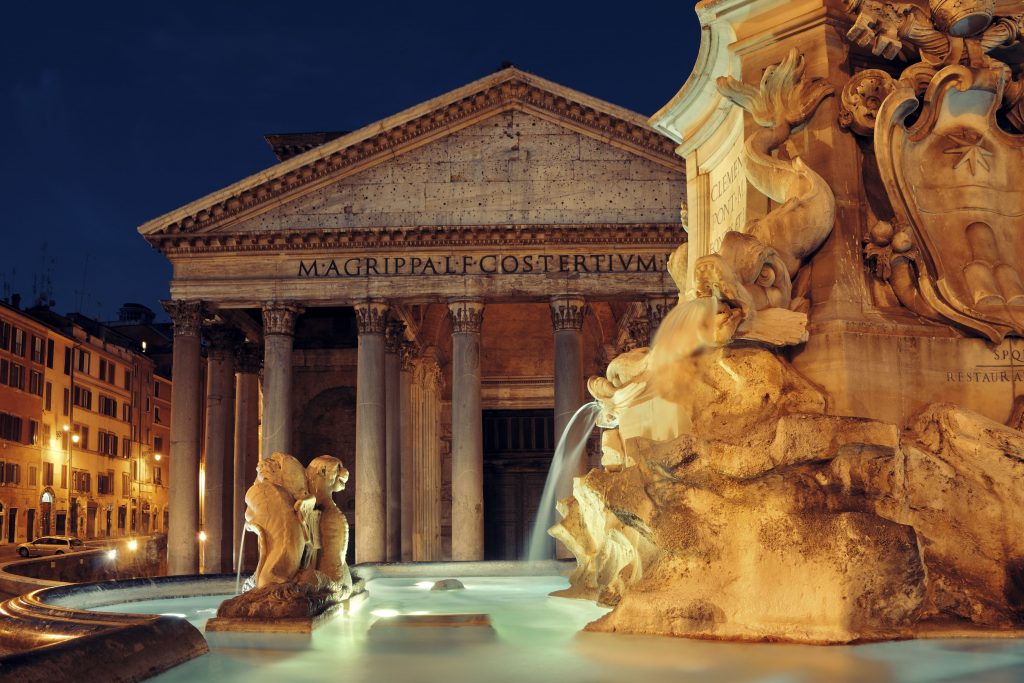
(1006, 365)
(728, 196)
(487, 264)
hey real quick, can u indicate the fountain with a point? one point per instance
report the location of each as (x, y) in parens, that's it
(821, 446)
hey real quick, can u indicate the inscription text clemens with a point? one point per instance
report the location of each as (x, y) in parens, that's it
(728, 196)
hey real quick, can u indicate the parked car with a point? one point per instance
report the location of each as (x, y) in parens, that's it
(50, 545)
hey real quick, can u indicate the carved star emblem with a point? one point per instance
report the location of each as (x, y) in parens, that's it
(968, 145)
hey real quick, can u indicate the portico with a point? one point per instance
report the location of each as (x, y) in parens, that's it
(484, 251)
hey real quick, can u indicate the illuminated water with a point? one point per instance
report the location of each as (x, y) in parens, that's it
(538, 640)
(565, 464)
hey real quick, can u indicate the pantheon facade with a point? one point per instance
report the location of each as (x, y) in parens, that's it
(422, 298)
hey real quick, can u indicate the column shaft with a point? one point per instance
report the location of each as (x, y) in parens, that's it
(219, 428)
(245, 447)
(567, 315)
(183, 522)
(371, 436)
(278, 339)
(393, 440)
(406, 410)
(467, 433)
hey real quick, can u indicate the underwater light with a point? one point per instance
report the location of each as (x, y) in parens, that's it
(385, 613)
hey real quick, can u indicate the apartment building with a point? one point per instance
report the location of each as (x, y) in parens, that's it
(82, 432)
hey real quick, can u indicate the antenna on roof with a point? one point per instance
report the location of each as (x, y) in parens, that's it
(42, 283)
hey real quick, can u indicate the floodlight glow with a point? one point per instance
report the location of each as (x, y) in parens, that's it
(112, 554)
(202, 537)
(157, 457)
(385, 613)
(425, 585)
(173, 614)
(133, 545)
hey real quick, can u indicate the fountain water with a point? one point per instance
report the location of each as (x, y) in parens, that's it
(564, 465)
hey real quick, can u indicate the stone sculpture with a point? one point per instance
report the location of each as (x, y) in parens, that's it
(949, 245)
(303, 539)
(762, 515)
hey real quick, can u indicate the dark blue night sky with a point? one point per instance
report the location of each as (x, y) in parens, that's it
(116, 112)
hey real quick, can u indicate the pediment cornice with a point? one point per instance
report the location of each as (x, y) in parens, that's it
(426, 237)
(507, 89)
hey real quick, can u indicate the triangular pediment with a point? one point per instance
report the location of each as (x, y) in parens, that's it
(457, 134)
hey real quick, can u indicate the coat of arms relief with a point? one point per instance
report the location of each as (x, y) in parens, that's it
(947, 139)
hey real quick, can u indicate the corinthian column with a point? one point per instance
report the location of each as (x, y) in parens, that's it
(220, 372)
(567, 314)
(278, 338)
(247, 397)
(393, 337)
(371, 435)
(183, 522)
(467, 432)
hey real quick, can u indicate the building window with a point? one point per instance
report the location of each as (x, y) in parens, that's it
(83, 398)
(67, 394)
(17, 341)
(63, 476)
(108, 406)
(157, 476)
(33, 432)
(107, 443)
(45, 434)
(156, 414)
(126, 485)
(5, 335)
(48, 397)
(10, 473)
(82, 361)
(156, 389)
(33, 474)
(108, 371)
(12, 374)
(10, 427)
(49, 353)
(37, 350)
(126, 447)
(126, 412)
(83, 481)
(127, 379)
(47, 474)
(158, 444)
(105, 482)
(17, 379)
(35, 383)
(83, 436)
(67, 360)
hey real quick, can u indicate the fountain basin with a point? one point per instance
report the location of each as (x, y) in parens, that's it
(535, 637)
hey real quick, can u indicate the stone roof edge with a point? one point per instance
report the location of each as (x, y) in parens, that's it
(155, 226)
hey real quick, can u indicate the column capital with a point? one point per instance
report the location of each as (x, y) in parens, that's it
(658, 306)
(223, 341)
(407, 352)
(186, 316)
(467, 316)
(568, 312)
(279, 317)
(248, 358)
(371, 317)
(394, 336)
(428, 373)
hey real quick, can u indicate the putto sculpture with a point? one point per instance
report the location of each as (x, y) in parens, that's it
(303, 539)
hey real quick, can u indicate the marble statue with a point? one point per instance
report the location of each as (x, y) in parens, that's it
(303, 539)
(765, 514)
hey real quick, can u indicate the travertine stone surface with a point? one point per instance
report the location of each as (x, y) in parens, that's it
(514, 167)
